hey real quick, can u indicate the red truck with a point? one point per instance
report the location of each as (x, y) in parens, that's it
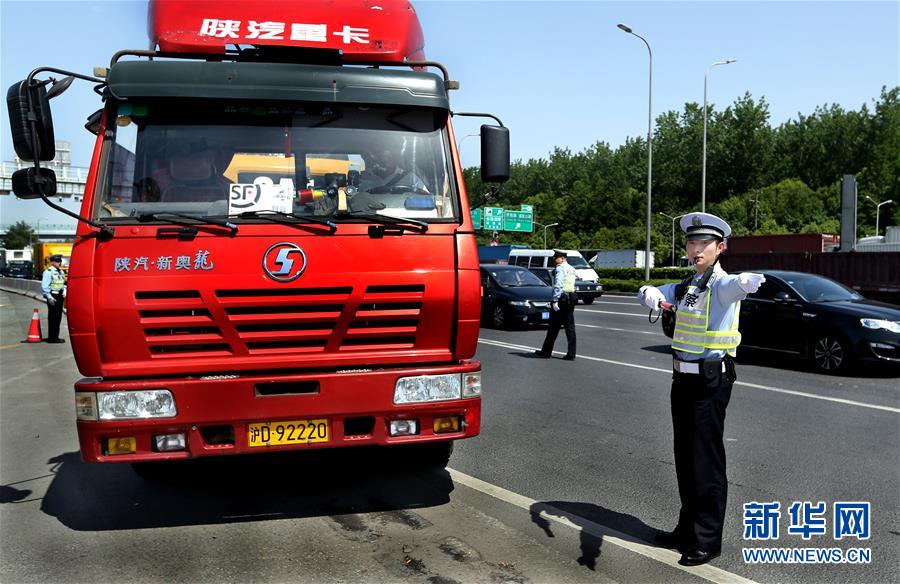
(327, 297)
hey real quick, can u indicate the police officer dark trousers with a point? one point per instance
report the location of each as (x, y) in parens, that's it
(563, 309)
(704, 343)
(53, 285)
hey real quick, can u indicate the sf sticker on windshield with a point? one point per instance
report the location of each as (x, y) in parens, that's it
(260, 196)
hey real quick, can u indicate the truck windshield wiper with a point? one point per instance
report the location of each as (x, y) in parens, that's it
(400, 222)
(167, 216)
(286, 218)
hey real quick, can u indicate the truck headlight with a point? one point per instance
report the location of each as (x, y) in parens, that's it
(875, 324)
(123, 405)
(427, 388)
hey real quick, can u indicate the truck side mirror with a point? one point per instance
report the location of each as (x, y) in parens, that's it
(40, 144)
(30, 183)
(494, 153)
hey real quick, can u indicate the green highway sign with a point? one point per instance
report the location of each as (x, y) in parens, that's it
(527, 208)
(493, 218)
(518, 221)
(476, 218)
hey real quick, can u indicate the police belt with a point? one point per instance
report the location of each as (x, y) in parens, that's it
(696, 367)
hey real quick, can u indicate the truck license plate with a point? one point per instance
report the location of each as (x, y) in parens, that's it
(287, 432)
(545, 315)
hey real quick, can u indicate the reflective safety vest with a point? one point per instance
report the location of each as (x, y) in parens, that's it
(692, 334)
(57, 280)
(568, 277)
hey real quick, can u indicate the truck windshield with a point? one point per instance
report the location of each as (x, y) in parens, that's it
(223, 158)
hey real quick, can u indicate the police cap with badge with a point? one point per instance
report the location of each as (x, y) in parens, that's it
(559, 254)
(704, 226)
(56, 258)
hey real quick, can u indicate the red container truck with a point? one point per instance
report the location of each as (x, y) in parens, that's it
(301, 305)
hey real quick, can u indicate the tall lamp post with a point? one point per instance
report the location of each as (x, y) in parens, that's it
(545, 231)
(37, 229)
(673, 233)
(705, 83)
(649, 149)
(878, 211)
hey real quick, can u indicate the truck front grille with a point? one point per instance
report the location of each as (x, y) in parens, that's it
(186, 323)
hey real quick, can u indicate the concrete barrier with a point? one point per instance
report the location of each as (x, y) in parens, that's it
(31, 288)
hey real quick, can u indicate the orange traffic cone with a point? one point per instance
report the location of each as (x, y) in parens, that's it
(34, 333)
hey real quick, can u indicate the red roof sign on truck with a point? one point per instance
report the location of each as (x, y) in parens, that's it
(366, 30)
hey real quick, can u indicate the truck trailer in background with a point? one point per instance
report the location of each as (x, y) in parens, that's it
(42, 253)
(621, 258)
(784, 243)
(872, 268)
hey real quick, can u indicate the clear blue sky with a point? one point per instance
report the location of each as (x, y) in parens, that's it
(556, 73)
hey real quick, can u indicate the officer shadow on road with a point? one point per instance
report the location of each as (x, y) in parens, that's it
(594, 523)
(315, 483)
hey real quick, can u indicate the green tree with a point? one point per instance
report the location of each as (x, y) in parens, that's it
(19, 235)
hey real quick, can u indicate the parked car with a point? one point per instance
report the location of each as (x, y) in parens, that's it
(586, 291)
(513, 296)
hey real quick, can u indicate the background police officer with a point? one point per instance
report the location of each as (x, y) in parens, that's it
(564, 300)
(704, 343)
(53, 285)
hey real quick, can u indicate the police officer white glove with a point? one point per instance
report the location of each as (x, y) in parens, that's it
(556, 307)
(650, 296)
(51, 300)
(750, 282)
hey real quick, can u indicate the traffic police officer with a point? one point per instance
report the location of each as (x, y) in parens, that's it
(53, 285)
(564, 300)
(704, 343)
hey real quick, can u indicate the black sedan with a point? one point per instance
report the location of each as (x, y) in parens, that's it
(586, 291)
(513, 296)
(817, 318)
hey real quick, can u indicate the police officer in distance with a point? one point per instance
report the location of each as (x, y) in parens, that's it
(704, 344)
(53, 285)
(564, 300)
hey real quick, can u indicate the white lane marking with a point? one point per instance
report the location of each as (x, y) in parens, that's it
(609, 328)
(609, 312)
(632, 304)
(607, 535)
(743, 383)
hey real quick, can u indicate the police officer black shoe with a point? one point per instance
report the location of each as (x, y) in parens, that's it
(541, 355)
(697, 557)
(55, 341)
(569, 358)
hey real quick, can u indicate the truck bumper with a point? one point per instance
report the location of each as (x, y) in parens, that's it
(215, 413)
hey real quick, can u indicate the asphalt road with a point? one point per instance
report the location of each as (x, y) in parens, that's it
(570, 475)
(594, 436)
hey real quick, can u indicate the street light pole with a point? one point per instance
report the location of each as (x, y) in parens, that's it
(673, 233)
(705, 83)
(545, 231)
(878, 211)
(649, 149)
(37, 230)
